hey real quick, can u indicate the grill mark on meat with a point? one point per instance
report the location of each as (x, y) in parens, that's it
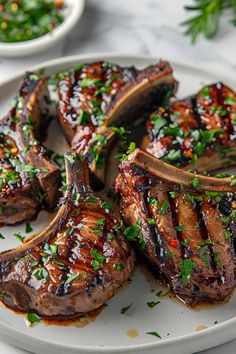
(113, 96)
(201, 128)
(25, 171)
(77, 269)
(199, 262)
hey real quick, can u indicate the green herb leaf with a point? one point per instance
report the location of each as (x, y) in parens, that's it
(28, 228)
(132, 232)
(125, 309)
(155, 334)
(195, 183)
(71, 278)
(165, 207)
(186, 268)
(32, 318)
(20, 237)
(87, 82)
(152, 304)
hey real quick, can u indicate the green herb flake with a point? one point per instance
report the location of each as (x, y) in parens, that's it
(132, 232)
(32, 318)
(107, 206)
(83, 118)
(153, 304)
(19, 237)
(179, 228)
(230, 100)
(173, 195)
(151, 221)
(71, 278)
(40, 274)
(90, 199)
(124, 310)
(233, 181)
(155, 334)
(195, 183)
(28, 228)
(88, 82)
(164, 208)
(186, 268)
(119, 266)
(228, 234)
(1, 236)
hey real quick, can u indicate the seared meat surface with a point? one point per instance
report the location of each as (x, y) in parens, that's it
(97, 96)
(183, 223)
(198, 132)
(77, 263)
(27, 178)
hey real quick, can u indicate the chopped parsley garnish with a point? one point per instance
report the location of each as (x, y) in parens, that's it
(217, 259)
(100, 221)
(228, 234)
(186, 268)
(224, 219)
(32, 318)
(28, 228)
(107, 206)
(70, 158)
(122, 132)
(19, 237)
(151, 221)
(179, 228)
(132, 232)
(209, 135)
(119, 266)
(152, 304)
(165, 207)
(158, 121)
(131, 148)
(87, 82)
(99, 259)
(90, 199)
(125, 309)
(173, 155)
(155, 334)
(214, 195)
(230, 100)
(83, 118)
(71, 278)
(153, 201)
(2, 237)
(195, 183)
(40, 274)
(173, 195)
(233, 181)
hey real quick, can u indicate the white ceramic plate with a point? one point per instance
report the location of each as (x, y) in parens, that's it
(176, 323)
(73, 12)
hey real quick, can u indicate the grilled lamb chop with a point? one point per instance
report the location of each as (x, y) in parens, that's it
(26, 176)
(77, 263)
(199, 131)
(184, 224)
(96, 96)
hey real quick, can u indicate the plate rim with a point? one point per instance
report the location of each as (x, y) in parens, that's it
(26, 341)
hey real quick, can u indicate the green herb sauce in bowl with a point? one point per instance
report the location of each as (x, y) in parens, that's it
(24, 20)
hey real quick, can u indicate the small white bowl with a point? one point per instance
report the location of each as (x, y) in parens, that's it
(73, 12)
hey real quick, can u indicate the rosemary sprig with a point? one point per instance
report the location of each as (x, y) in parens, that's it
(206, 21)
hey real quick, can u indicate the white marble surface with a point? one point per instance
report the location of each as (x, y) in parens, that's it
(144, 27)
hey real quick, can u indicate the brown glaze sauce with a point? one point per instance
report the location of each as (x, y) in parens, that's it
(79, 320)
(157, 285)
